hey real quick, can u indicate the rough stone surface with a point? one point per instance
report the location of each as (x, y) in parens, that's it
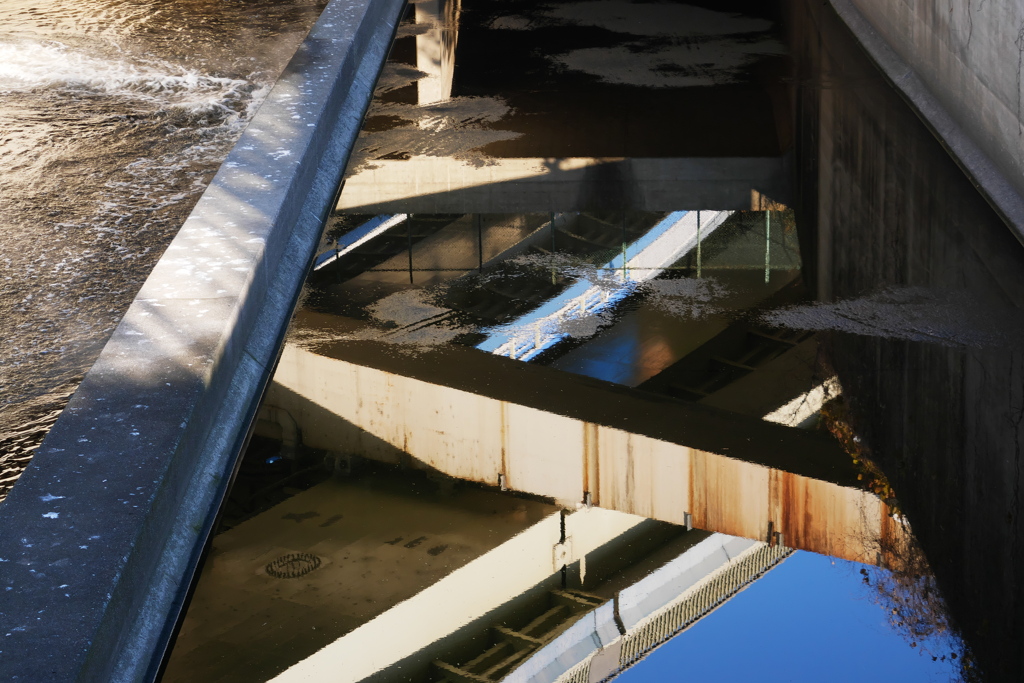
(104, 530)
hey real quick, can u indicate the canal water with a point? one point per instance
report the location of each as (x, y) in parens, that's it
(113, 118)
(573, 234)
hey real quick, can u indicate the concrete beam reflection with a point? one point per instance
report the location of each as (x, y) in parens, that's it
(488, 419)
(424, 184)
(435, 48)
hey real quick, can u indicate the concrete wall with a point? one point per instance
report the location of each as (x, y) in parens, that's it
(968, 53)
(940, 414)
(959, 65)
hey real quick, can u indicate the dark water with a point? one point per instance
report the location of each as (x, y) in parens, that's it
(685, 211)
(113, 118)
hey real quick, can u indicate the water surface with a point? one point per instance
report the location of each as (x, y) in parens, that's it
(614, 210)
(114, 116)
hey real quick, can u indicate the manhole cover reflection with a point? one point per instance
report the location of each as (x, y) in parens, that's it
(293, 565)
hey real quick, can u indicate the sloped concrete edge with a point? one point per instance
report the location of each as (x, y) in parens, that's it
(983, 172)
(103, 532)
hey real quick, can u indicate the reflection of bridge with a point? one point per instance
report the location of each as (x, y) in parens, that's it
(492, 420)
(470, 585)
(535, 429)
(446, 185)
(113, 515)
(657, 248)
(568, 635)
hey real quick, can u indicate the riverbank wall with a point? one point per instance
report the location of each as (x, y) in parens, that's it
(959, 68)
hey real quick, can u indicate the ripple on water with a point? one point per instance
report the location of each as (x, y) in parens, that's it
(114, 116)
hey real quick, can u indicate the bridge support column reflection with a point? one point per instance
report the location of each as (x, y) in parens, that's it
(435, 48)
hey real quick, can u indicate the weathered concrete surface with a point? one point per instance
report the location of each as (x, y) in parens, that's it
(104, 530)
(892, 211)
(476, 416)
(959, 66)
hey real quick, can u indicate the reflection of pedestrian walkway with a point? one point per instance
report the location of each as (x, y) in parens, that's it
(645, 259)
(383, 576)
(586, 637)
(656, 609)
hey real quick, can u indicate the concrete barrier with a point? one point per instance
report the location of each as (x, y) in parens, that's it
(102, 535)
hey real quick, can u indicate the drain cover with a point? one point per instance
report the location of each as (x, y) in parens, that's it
(293, 565)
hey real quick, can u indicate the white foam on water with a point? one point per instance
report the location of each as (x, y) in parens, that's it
(36, 65)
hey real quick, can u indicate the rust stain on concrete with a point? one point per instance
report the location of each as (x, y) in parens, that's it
(544, 453)
(591, 463)
(503, 415)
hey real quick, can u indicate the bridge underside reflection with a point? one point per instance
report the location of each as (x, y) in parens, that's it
(441, 184)
(581, 441)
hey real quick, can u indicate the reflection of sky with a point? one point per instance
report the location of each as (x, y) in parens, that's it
(615, 361)
(806, 620)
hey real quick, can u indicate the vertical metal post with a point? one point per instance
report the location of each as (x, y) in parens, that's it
(479, 240)
(625, 275)
(408, 234)
(767, 245)
(698, 244)
(561, 540)
(553, 279)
